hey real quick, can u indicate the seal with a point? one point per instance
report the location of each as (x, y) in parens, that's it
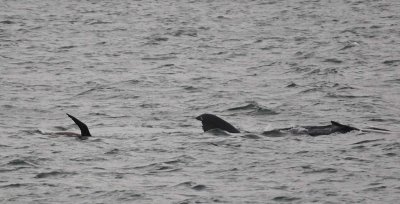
(85, 133)
(210, 121)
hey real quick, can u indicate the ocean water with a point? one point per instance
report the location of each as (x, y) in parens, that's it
(139, 72)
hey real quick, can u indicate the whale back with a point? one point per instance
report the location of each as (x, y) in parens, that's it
(211, 121)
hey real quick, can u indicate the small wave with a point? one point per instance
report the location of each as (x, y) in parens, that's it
(155, 39)
(374, 189)
(20, 162)
(7, 106)
(95, 22)
(391, 62)
(14, 185)
(66, 47)
(203, 200)
(391, 154)
(191, 89)
(254, 108)
(395, 81)
(120, 195)
(7, 22)
(53, 174)
(181, 159)
(333, 95)
(285, 199)
(191, 32)
(113, 151)
(326, 71)
(89, 91)
(192, 185)
(291, 85)
(323, 170)
(32, 132)
(359, 147)
(367, 141)
(160, 57)
(217, 132)
(357, 159)
(251, 136)
(163, 168)
(166, 166)
(60, 128)
(333, 60)
(349, 45)
(274, 133)
(392, 146)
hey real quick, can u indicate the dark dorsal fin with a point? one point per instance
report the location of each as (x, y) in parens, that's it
(81, 125)
(349, 128)
(211, 121)
(336, 123)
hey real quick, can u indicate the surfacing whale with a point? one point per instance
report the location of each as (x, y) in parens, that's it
(85, 133)
(334, 127)
(211, 121)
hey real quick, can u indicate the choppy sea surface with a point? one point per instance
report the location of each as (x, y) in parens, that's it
(139, 72)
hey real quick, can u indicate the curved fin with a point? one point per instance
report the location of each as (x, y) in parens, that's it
(349, 128)
(336, 123)
(82, 126)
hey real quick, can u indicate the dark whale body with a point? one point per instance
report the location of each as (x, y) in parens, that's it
(211, 121)
(334, 127)
(85, 133)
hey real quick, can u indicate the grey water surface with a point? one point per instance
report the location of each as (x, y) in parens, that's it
(139, 72)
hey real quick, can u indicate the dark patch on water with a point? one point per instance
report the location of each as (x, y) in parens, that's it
(14, 185)
(334, 95)
(68, 47)
(199, 187)
(191, 32)
(376, 188)
(333, 60)
(181, 159)
(391, 62)
(20, 162)
(367, 141)
(291, 85)
(192, 185)
(54, 174)
(7, 106)
(285, 199)
(7, 22)
(113, 151)
(391, 154)
(357, 159)
(322, 170)
(251, 136)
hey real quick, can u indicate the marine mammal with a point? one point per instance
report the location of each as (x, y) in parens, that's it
(211, 121)
(85, 133)
(334, 127)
